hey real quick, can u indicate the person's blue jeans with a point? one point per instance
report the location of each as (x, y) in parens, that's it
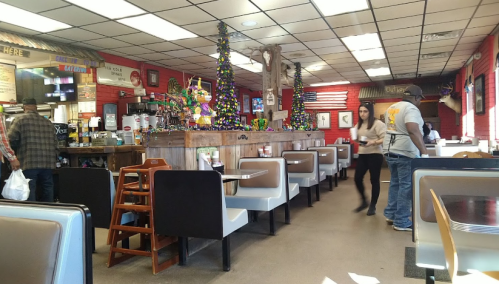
(400, 192)
(46, 182)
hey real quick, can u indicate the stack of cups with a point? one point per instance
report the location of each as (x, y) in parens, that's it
(260, 152)
(216, 157)
(268, 151)
(353, 133)
(317, 143)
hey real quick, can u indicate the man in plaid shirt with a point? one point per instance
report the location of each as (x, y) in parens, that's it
(33, 137)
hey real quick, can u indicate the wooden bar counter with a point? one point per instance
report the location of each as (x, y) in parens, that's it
(116, 156)
(178, 148)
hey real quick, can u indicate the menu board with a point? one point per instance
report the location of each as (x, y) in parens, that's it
(7, 82)
(117, 75)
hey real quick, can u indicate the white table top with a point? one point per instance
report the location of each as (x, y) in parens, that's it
(295, 161)
(242, 174)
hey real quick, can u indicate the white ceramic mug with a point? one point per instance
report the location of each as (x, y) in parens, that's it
(296, 146)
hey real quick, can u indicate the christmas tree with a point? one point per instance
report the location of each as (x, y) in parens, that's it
(298, 118)
(226, 102)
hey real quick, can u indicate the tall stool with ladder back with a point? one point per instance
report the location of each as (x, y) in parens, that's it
(140, 202)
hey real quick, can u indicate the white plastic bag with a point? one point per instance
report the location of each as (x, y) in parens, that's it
(16, 187)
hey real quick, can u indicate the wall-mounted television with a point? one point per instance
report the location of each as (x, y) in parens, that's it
(45, 85)
(257, 104)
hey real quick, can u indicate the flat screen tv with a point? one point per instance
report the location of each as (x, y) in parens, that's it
(45, 85)
(257, 105)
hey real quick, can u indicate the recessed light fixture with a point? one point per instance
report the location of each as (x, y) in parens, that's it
(32, 21)
(330, 83)
(297, 54)
(112, 9)
(330, 8)
(442, 35)
(249, 23)
(369, 54)
(156, 26)
(374, 72)
(435, 55)
(360, 42)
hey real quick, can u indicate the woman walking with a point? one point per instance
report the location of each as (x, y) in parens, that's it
(370, 135)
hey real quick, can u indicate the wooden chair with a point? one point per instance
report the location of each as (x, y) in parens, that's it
(450, 250)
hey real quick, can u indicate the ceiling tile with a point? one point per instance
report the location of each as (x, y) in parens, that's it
(114, 52)
(133, 50)
(300, 13)
(411, 46)
(471, 39)
(407, 22)
(36, 6)
(350, 19)
(323, 43)
(229, 8)
(84, 45)
(404, 69)
(76, 34)
(270, 5)
(463, 52)
(443, 27)
(403, 53)
(54, 38)
(173, 62)
(382, 78)
(266, 32)
(182, 53)
(212, 64)
(188, 66)
(479, 31)
(386, 3)
(459, 57)
(306, 26)
(401, 40)
(443, 5)
(244, 45)
(403, 63)
(350, 60)
(155, 56)
(185, 16)
(484, 21)
(356, 30)
(395, 34)
(206, 49)
(309, 59)
(466, 46)
(487, 10)
(17, 29)
(344, 65)
(136, 58)
(292, 47)
(200, 59)
(449, 16)
(155, 5)
(400, 11)
(374, 63)
(109, 28)
(162, 46)
(193, 42)
(107, 43)
(261, 19)
(139, 38)
(278, 40)
(205, 29)
(329, 50)
(348, 73)
(336, 56)
(294, 55)
(74, 16)
(444, 42)
(404, 59)
(317, 35)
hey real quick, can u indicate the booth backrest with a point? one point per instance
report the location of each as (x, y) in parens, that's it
(45, 243)
(305, 167)
(343, 151)
(271, 179)
(329, 159)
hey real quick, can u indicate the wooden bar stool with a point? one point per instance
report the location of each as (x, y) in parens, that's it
(140, 202)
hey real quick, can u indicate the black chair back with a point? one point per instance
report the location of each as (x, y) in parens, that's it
(90, 187)
(189, 204)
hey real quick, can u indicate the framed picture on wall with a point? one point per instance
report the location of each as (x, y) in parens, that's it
(206, 85)
(324, 120)
(345, 119)
(244, 119)
(152, 78)
(479, 90)
(246, 103)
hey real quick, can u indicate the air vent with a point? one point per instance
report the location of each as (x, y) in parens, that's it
(435, 55)
(442, 35)
(233, 37)
(405, 75)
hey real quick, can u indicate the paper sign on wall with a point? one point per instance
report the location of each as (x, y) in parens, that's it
(7, 82)
(117, 75)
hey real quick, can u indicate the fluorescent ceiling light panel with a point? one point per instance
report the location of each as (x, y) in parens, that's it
(32, 21)
(256, 67)
(360, 42)
(373, 72)
(112, 9)
(330, 84)
(156, 26)
(368, 54)
(333, 93)
(329, 8)
(242, 61)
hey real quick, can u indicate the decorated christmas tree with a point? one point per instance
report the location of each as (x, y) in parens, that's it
(226, 102)
(298, 118)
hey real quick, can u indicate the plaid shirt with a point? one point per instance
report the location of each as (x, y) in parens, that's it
(4, 143)
(33, 137)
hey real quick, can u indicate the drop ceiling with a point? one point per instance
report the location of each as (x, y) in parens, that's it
(304, 34)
